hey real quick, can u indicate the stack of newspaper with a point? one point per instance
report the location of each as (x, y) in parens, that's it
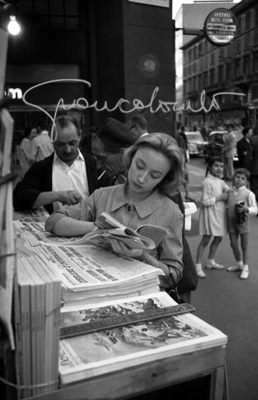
(37, 320)
(89, 273)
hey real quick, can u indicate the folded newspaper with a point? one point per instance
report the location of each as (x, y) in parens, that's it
(145, 237)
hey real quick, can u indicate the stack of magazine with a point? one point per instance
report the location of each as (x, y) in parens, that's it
(96, 340)
(37, 321)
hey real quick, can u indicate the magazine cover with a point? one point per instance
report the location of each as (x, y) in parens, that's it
(111, 349)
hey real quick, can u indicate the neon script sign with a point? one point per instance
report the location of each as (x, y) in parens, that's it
(135, 105)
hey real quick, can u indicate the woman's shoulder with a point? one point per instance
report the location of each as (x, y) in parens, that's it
(108, 191)
(171, 205)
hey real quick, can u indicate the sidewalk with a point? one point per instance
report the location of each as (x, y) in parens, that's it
(230, 304)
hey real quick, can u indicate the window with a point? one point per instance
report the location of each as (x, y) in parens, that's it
(239, 21)
(237, 68)
(247, 41)
(221, 73)
(248, 20)
(228, 72)
(55, 14)
(212, 76)
(246, 65)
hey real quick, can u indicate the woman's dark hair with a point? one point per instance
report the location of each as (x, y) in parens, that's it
(246, 130)
(212, 161)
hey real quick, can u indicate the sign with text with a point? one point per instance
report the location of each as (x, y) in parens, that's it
(159, 3)
(220, 26)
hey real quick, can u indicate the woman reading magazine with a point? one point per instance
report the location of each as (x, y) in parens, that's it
(154, 166)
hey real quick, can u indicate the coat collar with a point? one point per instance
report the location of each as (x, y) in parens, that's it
(143, 208)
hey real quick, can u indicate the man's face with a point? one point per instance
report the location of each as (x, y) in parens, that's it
(109, 161)
(67, 143)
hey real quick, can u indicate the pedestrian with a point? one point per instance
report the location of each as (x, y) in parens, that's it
(25, 154)
(212, 219)
(244, 149)
(182, 144)
(254, 167)
(228, 151)
(241, 203)
(138, 125)
(108, 144)
(154, 165)
(42, 146)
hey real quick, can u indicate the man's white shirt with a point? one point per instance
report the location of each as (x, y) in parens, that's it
(73, 177)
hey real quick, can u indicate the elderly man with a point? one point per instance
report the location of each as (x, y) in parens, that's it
(138, 125)
(108, 144)
(65, 177)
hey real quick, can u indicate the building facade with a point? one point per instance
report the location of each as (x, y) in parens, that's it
(95, 58)
(190, 18)
(228, 74)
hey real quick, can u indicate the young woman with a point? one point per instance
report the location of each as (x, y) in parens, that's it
(213, 220)
(154, 166)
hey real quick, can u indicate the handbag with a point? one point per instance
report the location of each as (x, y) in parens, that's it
(189, 280)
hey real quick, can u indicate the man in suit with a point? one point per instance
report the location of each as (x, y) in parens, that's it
(254, 166)
(244, 148)
(64, 177)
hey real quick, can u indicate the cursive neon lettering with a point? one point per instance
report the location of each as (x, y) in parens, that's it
(135, 105)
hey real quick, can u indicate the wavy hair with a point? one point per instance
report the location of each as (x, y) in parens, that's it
(166, 145)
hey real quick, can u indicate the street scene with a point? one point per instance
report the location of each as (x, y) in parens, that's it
(227, 302)
(119, 120)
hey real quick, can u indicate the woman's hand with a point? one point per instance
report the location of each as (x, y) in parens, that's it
(122, 249)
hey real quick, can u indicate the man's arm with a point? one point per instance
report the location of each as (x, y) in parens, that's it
(65, 197)
(38, 179)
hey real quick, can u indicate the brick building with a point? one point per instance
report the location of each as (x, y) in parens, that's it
(232, 68)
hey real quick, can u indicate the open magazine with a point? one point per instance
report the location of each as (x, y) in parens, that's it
(145, 237)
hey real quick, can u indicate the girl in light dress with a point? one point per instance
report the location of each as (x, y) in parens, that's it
(213, 220)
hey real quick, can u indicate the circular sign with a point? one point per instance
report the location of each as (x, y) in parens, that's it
(220, 26)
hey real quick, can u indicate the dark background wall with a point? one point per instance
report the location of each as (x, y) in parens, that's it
(124, 49)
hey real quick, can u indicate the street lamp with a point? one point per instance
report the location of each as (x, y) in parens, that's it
(13, 26)
(10, 9)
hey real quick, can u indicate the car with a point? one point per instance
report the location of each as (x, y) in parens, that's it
(195, 142)
(213, 148)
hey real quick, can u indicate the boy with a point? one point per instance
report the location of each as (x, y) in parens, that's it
(241, 202)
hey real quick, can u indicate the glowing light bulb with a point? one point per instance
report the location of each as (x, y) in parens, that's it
(13, 26)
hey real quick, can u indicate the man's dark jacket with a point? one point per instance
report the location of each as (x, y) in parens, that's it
(38, 179)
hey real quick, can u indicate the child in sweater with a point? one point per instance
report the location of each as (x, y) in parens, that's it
(241, 204)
